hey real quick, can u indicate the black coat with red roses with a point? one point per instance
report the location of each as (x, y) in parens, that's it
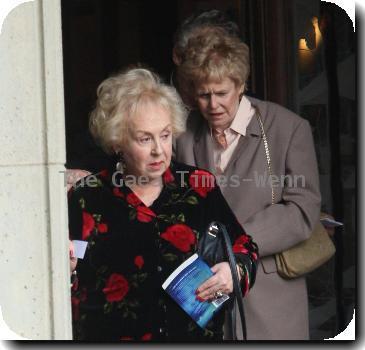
(132, 249)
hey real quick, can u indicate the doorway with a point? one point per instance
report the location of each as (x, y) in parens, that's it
(103, 37)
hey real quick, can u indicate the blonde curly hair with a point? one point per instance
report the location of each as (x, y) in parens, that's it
(211, 54)
(119, 99)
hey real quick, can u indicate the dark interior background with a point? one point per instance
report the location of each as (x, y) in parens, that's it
(317, 81)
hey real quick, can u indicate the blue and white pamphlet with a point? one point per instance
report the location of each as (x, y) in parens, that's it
(182, 284)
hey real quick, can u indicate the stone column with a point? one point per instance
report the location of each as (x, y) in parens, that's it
(34, 270)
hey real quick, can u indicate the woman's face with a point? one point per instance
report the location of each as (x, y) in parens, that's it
(148, 147)
(218, 102)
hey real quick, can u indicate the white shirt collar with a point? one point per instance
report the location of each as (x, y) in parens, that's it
(243, 116)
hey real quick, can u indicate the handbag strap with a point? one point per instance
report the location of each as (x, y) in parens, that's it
(236, 285)
(267, 152)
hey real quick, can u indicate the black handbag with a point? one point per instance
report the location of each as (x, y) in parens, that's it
(215, 247)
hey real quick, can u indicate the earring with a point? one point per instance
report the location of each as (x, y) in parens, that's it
(120, 166)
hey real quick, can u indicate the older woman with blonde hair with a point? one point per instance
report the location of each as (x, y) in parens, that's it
(143, 220)
(253, 142)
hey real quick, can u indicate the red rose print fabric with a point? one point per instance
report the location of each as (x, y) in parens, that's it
(202, 182)
(167, 176)
(146, 337)
(144, 214)
(116, 288)
(239, 245)
(117, 192)
(139, 261)
(132, 248)
(180, 236)
(133, 200)
(88, 224)
(102, 228)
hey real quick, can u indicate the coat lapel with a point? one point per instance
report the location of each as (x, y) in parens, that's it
(203, 148)
(253, 134)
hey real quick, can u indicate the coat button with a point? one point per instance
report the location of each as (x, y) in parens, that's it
(159, 268)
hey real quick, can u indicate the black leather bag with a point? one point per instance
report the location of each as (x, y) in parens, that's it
(215, 247)
(211, 245)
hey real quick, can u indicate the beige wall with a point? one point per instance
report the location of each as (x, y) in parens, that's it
(34, 277)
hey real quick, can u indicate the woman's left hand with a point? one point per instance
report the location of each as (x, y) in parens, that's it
(74, 175)
(73, 259)
(221, 281)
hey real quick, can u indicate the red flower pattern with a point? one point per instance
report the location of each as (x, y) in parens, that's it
(88, 224)
(116, 288)
(147, 336)
(167, 176)
(239, 249)
(104, 173)
(180, 236)
(145, 214)
(243, 239)
(133, 200)
(75, 302)
(117, 192)
(102, 228)
(239, 244)
(202, 182)
(75, 284)
(139, 261)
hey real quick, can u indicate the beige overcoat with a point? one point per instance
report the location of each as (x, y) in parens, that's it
(275, 308)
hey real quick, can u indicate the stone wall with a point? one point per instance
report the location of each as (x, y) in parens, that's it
(34, 270)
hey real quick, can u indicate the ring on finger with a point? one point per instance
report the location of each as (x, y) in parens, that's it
(218, 294)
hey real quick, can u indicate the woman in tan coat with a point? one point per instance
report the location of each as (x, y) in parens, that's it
(224, 136)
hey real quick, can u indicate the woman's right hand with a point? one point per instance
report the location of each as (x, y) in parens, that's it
(220, 282)
(73, 259)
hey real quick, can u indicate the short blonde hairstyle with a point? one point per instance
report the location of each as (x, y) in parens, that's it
(211, 54)
(120, 97)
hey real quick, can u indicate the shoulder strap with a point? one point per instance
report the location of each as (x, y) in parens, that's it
(236, 286)
(267, 152)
